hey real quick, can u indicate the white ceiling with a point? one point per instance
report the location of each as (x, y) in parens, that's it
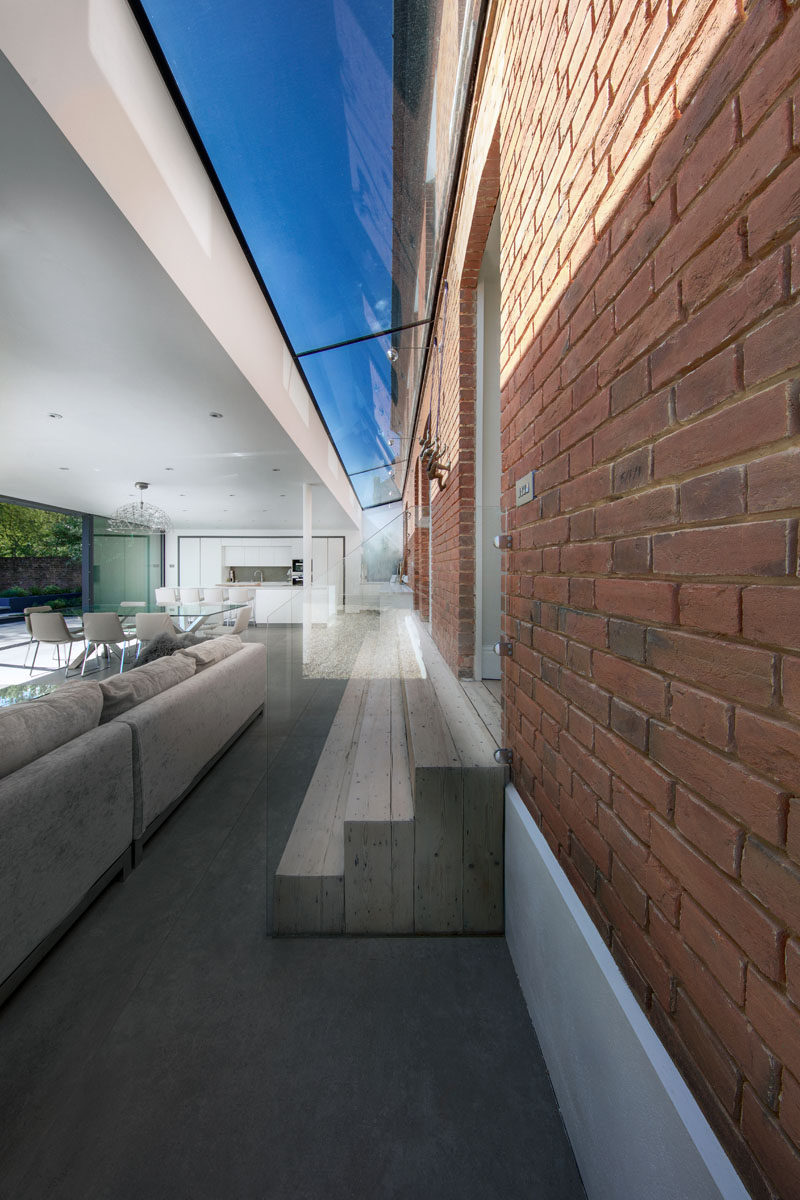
(92, 328)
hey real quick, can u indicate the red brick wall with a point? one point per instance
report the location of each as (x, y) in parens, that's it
(650, 205)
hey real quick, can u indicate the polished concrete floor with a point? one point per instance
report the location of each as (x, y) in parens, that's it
(169, 1047)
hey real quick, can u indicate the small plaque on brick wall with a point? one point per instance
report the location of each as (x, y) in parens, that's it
(525, 490)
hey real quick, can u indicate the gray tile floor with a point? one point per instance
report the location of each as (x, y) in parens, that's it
(168, 1047)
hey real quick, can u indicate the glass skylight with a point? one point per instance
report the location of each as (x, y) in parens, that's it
(333, 128)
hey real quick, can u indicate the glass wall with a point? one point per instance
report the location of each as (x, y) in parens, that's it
(125, 566)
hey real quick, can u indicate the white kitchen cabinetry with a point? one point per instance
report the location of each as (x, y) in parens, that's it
(210, 562)
(189, 562)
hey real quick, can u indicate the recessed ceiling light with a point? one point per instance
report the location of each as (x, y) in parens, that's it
(169, 468)
(181, 493)
(217, 416)
(231, 495)
(55, 416)
(63, 468)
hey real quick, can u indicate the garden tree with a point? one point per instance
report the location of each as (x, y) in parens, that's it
(34, 533)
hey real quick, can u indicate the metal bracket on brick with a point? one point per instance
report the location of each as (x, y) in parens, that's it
(504, 649)
(502, 541)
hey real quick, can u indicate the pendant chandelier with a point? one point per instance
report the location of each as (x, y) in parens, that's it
(139, 518)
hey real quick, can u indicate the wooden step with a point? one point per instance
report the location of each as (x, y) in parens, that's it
(458, 793)
(378, 826)
(309, 881)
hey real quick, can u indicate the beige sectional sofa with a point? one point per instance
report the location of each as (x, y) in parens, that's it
(89, 772)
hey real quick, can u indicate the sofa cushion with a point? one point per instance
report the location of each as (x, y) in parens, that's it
(33, 728)
(166, 643)
(212, 650)
(134, 687)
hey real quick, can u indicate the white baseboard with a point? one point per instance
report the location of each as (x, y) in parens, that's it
(635, 1128)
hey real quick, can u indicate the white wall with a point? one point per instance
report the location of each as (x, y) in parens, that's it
(635, 1128)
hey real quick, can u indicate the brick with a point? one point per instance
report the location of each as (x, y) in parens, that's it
(738, 429)
(708, 385)
(722, 956)
(632, 895)
(644, 510)
(793, 971)
(640, 599)
(773, 213)
(586, 695)
(721, 319)
(742, 919)
(629, 387)
(643, 776)
(704, 717)
(772, 615)
(790, 1107)
(714, 607)
(629, 723)
(581, 727)
(643, 688)
(772, 747)
(647, 420)
(631, 810)
(627, 639)
(772, 72)
(773, 879)
(707, 156)
(583, 626)
(725, 1018)
(719, 838)
(713, 268)
(773, 482)
(766, 548)
(721, 781)
(770, 1145)
(755, 162)
(593, 773)
(719, 81)
(790, 684)
(634, 296)
(592, 558)
(773, 348)
(714, 495)
(775, 1019)
(632, 471)
(632, 556)
(645, 331)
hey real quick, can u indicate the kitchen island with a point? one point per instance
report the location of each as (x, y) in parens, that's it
(283, 602)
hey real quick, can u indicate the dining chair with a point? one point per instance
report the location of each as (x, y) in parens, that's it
(213, 595)
(51, 628)
(26, 615)
(150, 625)
(189, 595)
(104, 629)
(165, 595)
(240, 624)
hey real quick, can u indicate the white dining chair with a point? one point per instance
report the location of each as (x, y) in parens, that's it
(189, 595)
(150, 625)
(50, 628)
(213, 595)
(239, 626)
(105, 629)
(26, 616)
(165, 595)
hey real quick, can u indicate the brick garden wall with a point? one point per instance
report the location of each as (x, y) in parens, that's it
(36, 573)
(650, 205)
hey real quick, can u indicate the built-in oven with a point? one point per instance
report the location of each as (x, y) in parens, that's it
(297, 571)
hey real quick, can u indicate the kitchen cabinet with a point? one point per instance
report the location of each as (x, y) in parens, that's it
(189, 562)
(210, 562)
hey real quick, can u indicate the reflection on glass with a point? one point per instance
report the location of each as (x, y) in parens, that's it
(125, 566)
(333, 130)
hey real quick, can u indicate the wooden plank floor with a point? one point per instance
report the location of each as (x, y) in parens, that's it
(484, 695)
